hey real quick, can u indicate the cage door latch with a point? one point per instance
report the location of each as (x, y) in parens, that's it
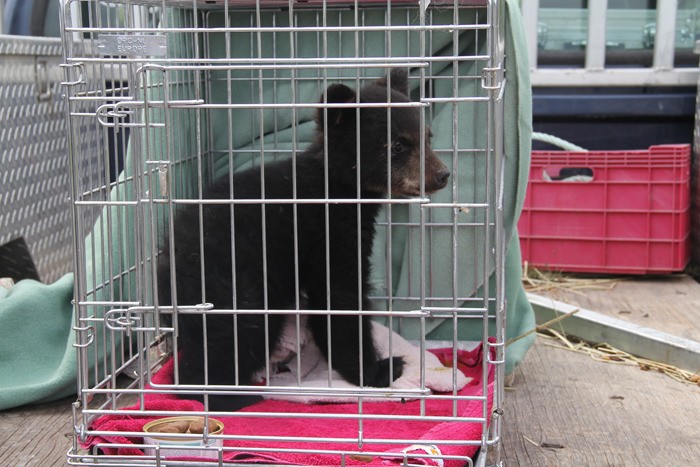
(125, 319)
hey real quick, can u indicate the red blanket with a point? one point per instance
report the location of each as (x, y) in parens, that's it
(423, 433)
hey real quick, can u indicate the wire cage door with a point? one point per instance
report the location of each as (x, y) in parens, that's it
(277, 98)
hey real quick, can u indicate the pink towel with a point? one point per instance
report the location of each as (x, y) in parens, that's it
(470, 363)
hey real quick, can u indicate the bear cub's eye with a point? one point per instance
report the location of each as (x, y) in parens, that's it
(397, 147)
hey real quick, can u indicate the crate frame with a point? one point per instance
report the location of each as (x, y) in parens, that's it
(120, 316)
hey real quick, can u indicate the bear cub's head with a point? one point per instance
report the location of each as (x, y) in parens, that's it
(384, 143)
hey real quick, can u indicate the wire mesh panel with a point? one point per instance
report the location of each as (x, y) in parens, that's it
(298, 234)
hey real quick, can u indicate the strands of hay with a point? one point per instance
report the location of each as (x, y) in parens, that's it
(608, 354)
(542, 327)
(536, 280)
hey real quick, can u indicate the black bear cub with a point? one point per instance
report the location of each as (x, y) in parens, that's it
(268, 258)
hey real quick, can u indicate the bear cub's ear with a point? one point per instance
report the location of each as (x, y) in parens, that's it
(337, 94)
(399, 80)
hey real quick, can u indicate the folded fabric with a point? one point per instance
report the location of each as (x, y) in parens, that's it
(311, 369)
(37, 360)
(118, 434)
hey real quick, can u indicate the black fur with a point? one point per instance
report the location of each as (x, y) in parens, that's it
(246, 289)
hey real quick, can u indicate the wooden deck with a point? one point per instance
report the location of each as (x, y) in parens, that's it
(607, 414)
(665, 303)
(564, 408)
(36, 436)
(597, 414)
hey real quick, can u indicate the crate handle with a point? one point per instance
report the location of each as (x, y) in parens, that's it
(568, 174)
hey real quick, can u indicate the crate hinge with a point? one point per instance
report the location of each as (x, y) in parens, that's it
(80, 67)
(493, 80)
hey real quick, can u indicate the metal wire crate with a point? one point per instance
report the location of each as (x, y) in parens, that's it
(196, 90)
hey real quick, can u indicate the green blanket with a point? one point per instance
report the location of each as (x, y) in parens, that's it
(37, 359)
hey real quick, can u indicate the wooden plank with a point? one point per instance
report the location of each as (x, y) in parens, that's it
(637, 340)
(600, 413)
(667, 303)
(36, 435)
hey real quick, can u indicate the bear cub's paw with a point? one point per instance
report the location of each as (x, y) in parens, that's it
(382, 377)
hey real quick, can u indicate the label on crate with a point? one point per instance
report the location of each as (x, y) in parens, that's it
(132, 45)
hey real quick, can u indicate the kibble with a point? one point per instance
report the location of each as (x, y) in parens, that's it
(197, 426)
(183, 426)
(179, 426)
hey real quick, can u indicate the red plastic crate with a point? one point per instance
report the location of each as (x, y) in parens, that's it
(629, 215)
